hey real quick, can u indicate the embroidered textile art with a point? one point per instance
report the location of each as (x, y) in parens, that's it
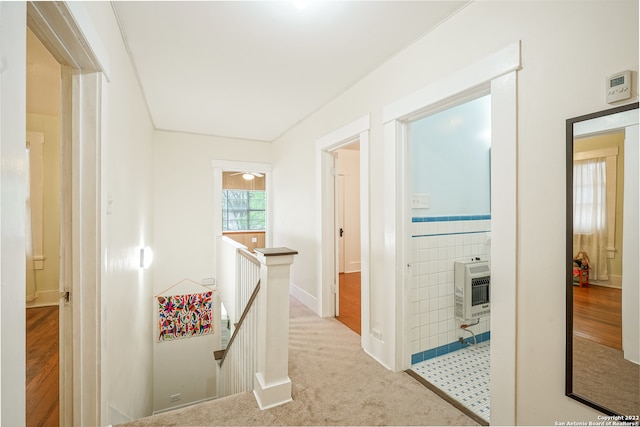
(183, 316)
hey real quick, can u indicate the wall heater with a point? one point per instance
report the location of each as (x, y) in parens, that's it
(472, 289)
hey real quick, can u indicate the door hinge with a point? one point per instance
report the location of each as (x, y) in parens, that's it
(333, 288)
(66, 295)
(333, 171)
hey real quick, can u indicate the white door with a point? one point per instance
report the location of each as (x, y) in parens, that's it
(340, 180)
(338, 262)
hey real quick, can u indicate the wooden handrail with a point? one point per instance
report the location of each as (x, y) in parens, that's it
(253, 297)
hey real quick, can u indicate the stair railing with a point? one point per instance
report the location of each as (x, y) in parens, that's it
(237, 363)
(256, 357)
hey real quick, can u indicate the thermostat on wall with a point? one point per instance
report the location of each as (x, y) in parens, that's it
(619, 86)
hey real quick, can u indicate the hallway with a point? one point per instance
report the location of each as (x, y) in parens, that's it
(334, 382)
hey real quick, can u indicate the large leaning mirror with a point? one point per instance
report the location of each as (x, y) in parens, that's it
(603, 313)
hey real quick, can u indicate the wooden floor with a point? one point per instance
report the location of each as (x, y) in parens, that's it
(42, 367)
(597, 314)
(350, 301)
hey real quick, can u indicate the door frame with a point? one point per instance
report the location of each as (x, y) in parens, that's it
(496, 74)
(337, 238)
(66, 31)
(357, 130)
(342, 213)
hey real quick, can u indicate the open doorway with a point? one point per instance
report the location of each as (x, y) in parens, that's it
(80, 80)
(347, 186)
(43, 234)
(496, 75)
(450, 234)
(354, 138)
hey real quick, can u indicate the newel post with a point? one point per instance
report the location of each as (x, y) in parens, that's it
(272, 386)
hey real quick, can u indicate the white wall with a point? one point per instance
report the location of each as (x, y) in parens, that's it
(631, 248)
(127, 166)
(565, 61)
(183, 200)
(184, 247)
(126, 151)
(12, 219)
(450, 159)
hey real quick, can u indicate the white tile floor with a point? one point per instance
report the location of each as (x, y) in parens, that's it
(463, 375)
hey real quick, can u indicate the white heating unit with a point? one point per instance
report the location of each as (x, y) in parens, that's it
(472, 289)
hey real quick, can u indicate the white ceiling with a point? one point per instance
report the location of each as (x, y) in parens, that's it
(253, 69)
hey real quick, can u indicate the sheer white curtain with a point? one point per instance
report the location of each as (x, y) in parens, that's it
(590, 213)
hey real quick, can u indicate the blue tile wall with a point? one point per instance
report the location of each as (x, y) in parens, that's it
(436, 244)
(448, 348)
(450, 218)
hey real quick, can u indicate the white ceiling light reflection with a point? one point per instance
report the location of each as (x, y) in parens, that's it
(146, 257)
(301, 4)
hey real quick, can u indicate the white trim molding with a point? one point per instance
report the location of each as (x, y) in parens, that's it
(459, 83)
(231, 165)
(495, 75)
(358, 130)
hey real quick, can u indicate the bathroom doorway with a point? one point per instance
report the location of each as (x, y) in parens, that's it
(450, 183)
(494, 74)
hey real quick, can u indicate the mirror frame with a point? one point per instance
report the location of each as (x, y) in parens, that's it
(569, 254)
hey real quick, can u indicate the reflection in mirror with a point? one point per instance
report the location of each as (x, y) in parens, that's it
(603, 349)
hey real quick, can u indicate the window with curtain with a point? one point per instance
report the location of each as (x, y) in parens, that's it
(590, 219)
(590, 196)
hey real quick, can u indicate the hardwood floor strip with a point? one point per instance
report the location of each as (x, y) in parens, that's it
(42, 367)
(350, 308)
(597, 315)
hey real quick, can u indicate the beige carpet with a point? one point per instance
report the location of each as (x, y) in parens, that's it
(333, 383)
(602, 375)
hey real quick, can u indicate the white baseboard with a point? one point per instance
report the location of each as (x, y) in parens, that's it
(616, 281)
(352, 267)
(116, 417)
(376, 359)
(613, 282)
(304, 297)
(184, 405)
(45, 299)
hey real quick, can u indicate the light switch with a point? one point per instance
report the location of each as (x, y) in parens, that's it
(420, 201)
(109, 203)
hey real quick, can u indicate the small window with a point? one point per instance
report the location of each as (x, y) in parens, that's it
(244, 210)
